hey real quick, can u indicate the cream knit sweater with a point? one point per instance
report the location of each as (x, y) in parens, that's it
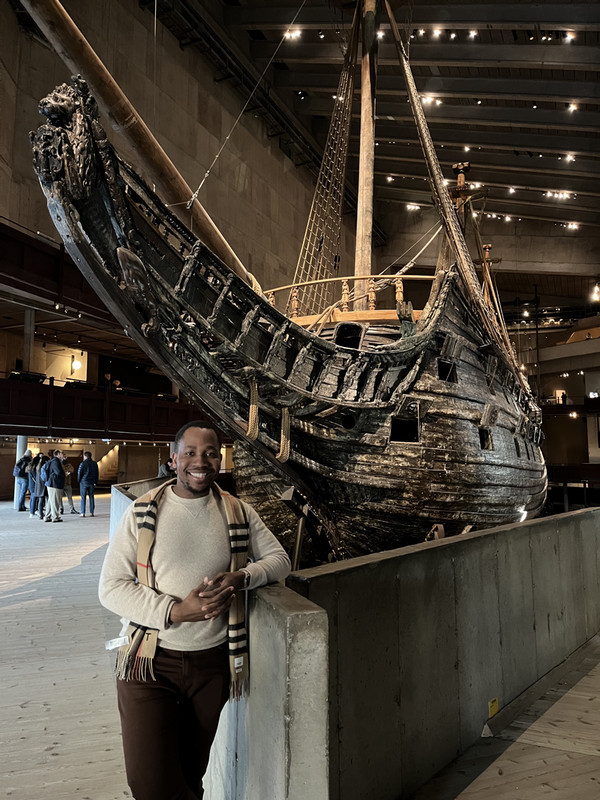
(191, 544)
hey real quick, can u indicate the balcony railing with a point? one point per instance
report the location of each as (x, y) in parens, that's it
(79, 409)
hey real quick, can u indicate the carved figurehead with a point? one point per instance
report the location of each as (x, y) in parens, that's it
(63, 145)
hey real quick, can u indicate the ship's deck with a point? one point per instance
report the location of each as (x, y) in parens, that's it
(60, 729)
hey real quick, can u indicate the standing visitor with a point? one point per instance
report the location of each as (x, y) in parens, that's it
(68, 490)
(87, 475)
(55, 483)
(166, 470)
(187, 650)
(20, 473)
(40, 493)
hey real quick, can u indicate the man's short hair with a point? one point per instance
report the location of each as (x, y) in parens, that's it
(87, 454)
(56, 453)
(204, 424)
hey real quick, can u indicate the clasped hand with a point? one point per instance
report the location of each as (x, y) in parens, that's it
(209, 600)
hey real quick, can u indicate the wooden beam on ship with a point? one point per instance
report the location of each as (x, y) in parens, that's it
(364, 209)
(78, 55)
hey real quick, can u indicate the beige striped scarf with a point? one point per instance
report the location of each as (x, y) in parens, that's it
(134, 660)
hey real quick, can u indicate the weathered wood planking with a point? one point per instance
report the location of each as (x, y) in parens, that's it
(59, 733)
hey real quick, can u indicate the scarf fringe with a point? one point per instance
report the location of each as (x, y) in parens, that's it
(135, 660)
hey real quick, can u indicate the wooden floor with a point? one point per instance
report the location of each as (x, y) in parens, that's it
(59, 727)
(550, 749)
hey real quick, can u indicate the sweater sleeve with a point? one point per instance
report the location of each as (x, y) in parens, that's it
(270, 562)
(119, 591)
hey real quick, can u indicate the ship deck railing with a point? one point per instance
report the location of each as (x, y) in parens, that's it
(354, 304)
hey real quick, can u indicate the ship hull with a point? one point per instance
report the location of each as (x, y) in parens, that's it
(384, 441)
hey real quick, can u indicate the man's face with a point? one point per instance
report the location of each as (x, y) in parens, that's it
(58, 455)
(197, 462)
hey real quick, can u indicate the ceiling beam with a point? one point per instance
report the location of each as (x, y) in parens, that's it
(482, 88)
(520, 16)
(467, 116)
(505, 56)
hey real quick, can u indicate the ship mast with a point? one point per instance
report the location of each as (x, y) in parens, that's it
(366, 165)
(78, 55)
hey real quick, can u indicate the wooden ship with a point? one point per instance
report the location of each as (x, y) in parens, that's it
(389, 423)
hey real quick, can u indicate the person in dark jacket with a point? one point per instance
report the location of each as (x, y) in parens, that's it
(87, 475)
(166, 470)
(22, 478)
(55, 485)
(34, 476)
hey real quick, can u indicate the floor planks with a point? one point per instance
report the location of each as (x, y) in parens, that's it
(551, 750)
(59, 731)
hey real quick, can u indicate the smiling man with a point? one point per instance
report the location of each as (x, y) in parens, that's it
(176, 569)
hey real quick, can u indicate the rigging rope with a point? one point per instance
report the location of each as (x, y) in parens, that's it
(319, 254)
(442, 199)
(240, 115)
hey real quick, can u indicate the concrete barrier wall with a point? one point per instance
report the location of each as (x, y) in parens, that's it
(422, 639)
(274, 743)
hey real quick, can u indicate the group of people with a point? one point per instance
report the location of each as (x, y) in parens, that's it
(48, 479)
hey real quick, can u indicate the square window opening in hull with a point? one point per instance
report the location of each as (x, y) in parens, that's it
(447, 371)
(485, 439)
(404, 430)
(349, 334)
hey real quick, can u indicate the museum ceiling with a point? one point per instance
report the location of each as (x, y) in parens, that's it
(513, 88)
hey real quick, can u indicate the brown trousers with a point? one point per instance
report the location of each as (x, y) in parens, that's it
(169, 724)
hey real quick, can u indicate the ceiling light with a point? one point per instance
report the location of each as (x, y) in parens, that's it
(478, 102)
(321, 35)
(467, 148)
(511, 190)
(453, 35)
(472, 34)
(595, 296)
(437, 32)
(569, 37)
(293, 34)
(573, 226)
(572, 107)
(507, 219)
(438, 102)
(570, 157)
(412, 207)
(389, 179)
(380, 34)
(421, 32)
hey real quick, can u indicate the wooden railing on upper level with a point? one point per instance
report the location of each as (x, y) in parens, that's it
(46, 409)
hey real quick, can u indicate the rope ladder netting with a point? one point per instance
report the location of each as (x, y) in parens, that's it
(320, 252)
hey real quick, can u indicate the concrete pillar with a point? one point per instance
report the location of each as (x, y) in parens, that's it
(21, 447)
(28, 331)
